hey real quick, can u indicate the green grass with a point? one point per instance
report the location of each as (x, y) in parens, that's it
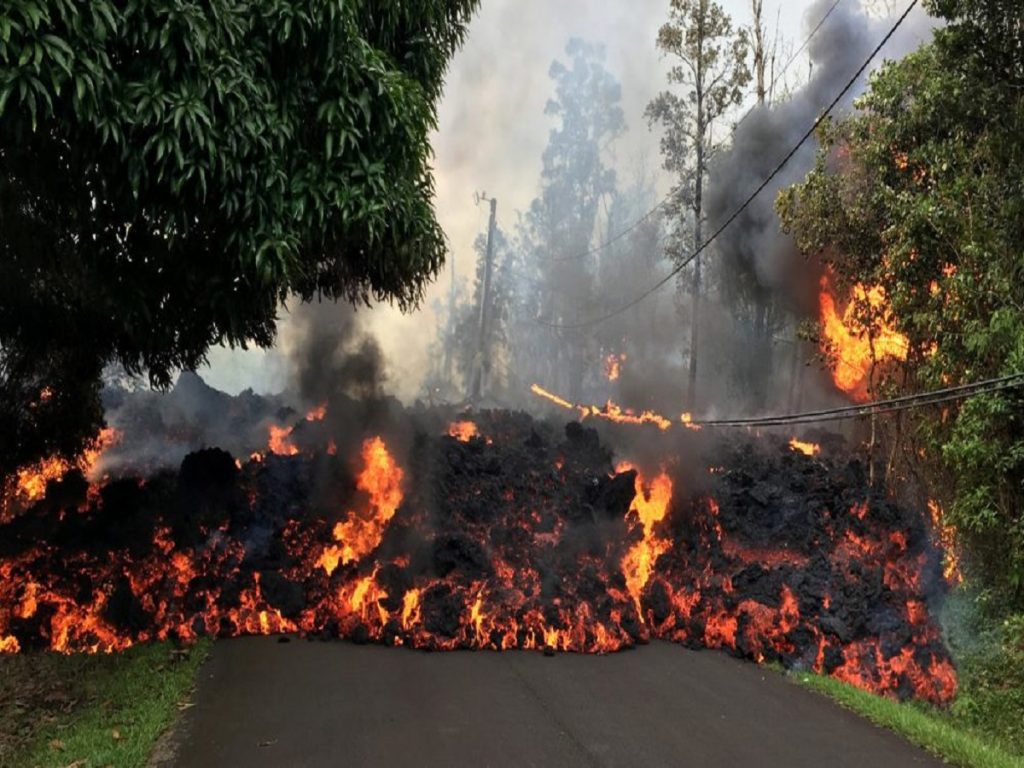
(91, 711)
(984, 725)
(937, 732)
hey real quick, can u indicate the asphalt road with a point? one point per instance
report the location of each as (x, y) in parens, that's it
(264, 703)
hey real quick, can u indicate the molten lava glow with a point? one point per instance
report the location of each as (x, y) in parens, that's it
(318, 413)
(381, 480)
(280, 441)
(30, 482)
(807, 449)
(613, 366)
(650, 506)
(463, 430)
(491, 564)
(857, 348)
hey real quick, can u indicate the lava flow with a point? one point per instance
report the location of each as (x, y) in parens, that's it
(529, 539)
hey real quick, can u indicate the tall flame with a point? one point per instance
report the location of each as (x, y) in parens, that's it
(360, 534)
(650, 505)
(858, 347)
(280, 441)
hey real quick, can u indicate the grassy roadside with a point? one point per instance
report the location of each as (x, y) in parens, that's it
(984, 726)
(91, 711)
(937, 732)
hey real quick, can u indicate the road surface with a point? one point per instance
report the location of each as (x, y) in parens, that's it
(261, 703)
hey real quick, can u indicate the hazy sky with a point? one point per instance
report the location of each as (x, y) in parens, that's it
(492, 130)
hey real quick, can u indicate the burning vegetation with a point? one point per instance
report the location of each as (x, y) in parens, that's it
(528, 539)
(863, 336)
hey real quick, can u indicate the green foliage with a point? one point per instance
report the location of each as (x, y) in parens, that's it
(953, 741)
(708, 61)
(923, 193)
(92, 709)
(560, 227)
(170, 171)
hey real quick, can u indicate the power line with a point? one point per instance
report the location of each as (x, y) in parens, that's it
(794, 57)
(670, 195)
(891, 405)
(612, 240)
(739, 211)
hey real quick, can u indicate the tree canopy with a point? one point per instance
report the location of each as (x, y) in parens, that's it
(171, 171)
(922, 191)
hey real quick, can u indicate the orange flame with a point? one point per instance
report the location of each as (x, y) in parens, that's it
(463, 430)
(857, 347)
(613, 366)
(807, 449)
(687, 421)
(360, 534)
(280, 441)
(946, 535)
(318, 413)
(541, 392)
(649, 507)
(30, 482)
(610, 412)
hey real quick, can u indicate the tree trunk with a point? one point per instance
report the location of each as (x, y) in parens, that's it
(698, 235)
(759, 52)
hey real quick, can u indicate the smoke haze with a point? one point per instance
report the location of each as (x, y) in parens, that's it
(493, 130)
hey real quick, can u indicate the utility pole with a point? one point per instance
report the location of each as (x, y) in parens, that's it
(449, 342)
(480, 359)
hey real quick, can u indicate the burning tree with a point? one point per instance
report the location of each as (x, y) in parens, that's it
(917, 200)
(169, 173)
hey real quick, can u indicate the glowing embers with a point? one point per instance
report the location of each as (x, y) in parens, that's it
(361, 532)
(807, 449)
(463, 430)
(649, 508)
(863, 336)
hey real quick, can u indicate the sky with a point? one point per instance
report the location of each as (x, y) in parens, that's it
(492, 131)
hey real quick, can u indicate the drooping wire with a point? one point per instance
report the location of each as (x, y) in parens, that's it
(890, 405)
(746, 203)
(665, 200)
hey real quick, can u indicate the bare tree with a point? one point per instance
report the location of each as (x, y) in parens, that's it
(759, 52)
(709, 66)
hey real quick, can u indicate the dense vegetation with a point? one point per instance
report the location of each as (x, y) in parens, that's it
(922, 191)
(170, 172)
